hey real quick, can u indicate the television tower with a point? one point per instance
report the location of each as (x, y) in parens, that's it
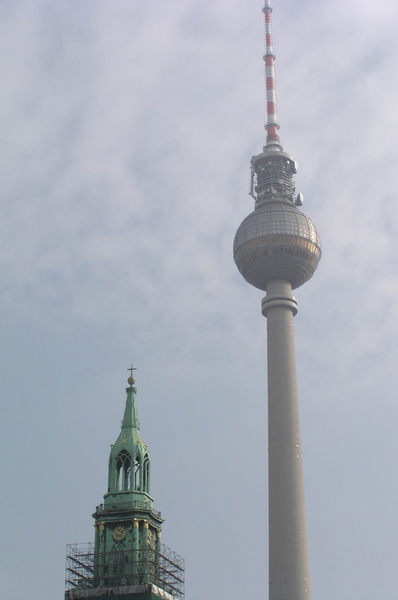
(277, 249)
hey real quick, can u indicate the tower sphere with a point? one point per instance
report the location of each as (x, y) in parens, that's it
(277, 242)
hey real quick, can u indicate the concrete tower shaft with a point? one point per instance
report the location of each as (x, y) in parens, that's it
(289, 572)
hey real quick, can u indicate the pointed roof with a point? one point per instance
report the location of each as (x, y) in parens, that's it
(130, 438)
(130, 418)
(129, 455)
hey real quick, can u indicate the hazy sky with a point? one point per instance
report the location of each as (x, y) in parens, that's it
(127, 129)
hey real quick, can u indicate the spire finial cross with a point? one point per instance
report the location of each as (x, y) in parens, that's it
(131, 379)
(132, 369)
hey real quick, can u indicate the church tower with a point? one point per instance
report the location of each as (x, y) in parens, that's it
(128, 560)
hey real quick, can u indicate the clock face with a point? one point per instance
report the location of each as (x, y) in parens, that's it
(119, 533)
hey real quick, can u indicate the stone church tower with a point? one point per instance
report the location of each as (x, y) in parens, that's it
(128, 560)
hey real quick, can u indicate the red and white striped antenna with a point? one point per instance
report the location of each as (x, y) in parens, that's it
(272, 125)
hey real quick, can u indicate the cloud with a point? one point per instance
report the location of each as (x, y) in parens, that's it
(127, 132)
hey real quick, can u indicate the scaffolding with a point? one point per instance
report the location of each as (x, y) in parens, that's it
(161, 567)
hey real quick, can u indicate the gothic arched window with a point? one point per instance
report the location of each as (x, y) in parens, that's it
(146, 474)
(137, 472)
(123, 471)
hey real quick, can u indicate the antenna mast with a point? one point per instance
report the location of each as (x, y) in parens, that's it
(272, 125)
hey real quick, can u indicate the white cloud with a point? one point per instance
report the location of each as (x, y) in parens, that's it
(127, 132)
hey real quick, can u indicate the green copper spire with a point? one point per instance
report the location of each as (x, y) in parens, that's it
(127, 527)
(130, 418)
(129, 463)
(128, 560)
